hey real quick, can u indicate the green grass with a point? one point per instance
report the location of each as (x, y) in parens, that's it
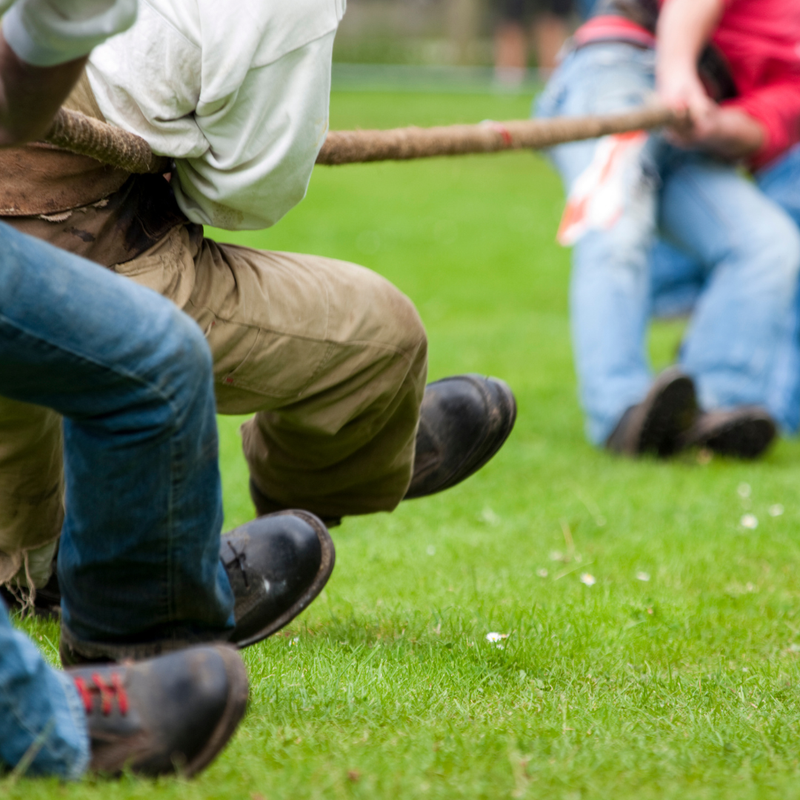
(681, 686)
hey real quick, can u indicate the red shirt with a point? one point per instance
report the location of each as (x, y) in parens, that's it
(761, 42)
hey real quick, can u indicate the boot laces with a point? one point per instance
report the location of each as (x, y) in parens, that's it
(239, 560)
(108, 691)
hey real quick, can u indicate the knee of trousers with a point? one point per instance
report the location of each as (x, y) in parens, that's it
(774, 245)
(412, 338)
(402, 332)
(184, 366)
(385, 350)
(372, 385)
(389, 317)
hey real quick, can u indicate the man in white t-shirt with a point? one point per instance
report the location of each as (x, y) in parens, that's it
(330, 357)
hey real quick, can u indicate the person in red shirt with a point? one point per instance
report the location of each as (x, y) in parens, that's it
(732, 63)
(759, 123)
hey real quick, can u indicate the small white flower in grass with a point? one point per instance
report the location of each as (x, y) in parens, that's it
(749, 521)
(494, 636)
(489, 517)
(794, 648)
(776, 510)
(743, 490)
(431, 550)
(587, 579)
(542, 573)
(643, 576)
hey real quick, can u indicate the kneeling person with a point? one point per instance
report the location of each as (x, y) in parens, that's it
(330, 357)
(132, 377)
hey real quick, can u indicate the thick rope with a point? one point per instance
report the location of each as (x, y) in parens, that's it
(90, 137)
(400, 144)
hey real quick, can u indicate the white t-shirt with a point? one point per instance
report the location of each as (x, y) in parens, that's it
(237, 94)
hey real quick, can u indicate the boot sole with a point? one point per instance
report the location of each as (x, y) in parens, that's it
(327, 563)
(235, 708)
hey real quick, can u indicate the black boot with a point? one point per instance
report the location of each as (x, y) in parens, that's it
(173, 713)
(656, 425)
(277, 565)
(744, 432)
(464, 420)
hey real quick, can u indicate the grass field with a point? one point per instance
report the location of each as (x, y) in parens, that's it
(673, 675)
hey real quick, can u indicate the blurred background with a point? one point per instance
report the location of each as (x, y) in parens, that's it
(468, 45)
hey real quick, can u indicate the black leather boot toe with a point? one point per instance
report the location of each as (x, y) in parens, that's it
(655, 426)
(276, 565)
(464, 420)
(744, 432)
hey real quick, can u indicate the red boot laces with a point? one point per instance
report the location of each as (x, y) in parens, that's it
(108, 693)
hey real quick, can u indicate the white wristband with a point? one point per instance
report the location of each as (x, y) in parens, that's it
(49, 32)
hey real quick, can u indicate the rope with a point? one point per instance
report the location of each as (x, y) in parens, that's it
(90, 137)
(401, 144)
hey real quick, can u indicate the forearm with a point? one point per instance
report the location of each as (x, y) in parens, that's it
(43, 48)
(29, 95)
(734, 135)
(684, 28)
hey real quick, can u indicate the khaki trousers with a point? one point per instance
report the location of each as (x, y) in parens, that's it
(330, 357)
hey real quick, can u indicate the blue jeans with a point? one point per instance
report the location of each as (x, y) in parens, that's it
(41, 713)
(780, 181)
(748, 247)
(138, 562)
(678, 281)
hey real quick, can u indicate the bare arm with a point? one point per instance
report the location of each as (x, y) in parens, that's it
(43, 48)
(30, 96)
(684, 29)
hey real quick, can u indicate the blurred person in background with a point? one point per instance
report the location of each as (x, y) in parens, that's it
(550, 22)
(733, 64)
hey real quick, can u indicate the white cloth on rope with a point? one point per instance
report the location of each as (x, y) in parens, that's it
(601, 192)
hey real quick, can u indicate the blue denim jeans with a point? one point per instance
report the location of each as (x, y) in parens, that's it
(780, 181)
(678, 280)
(748, 247)
(138, 562)
(41, 713)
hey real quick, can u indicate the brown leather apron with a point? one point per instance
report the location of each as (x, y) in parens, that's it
(78, 204)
